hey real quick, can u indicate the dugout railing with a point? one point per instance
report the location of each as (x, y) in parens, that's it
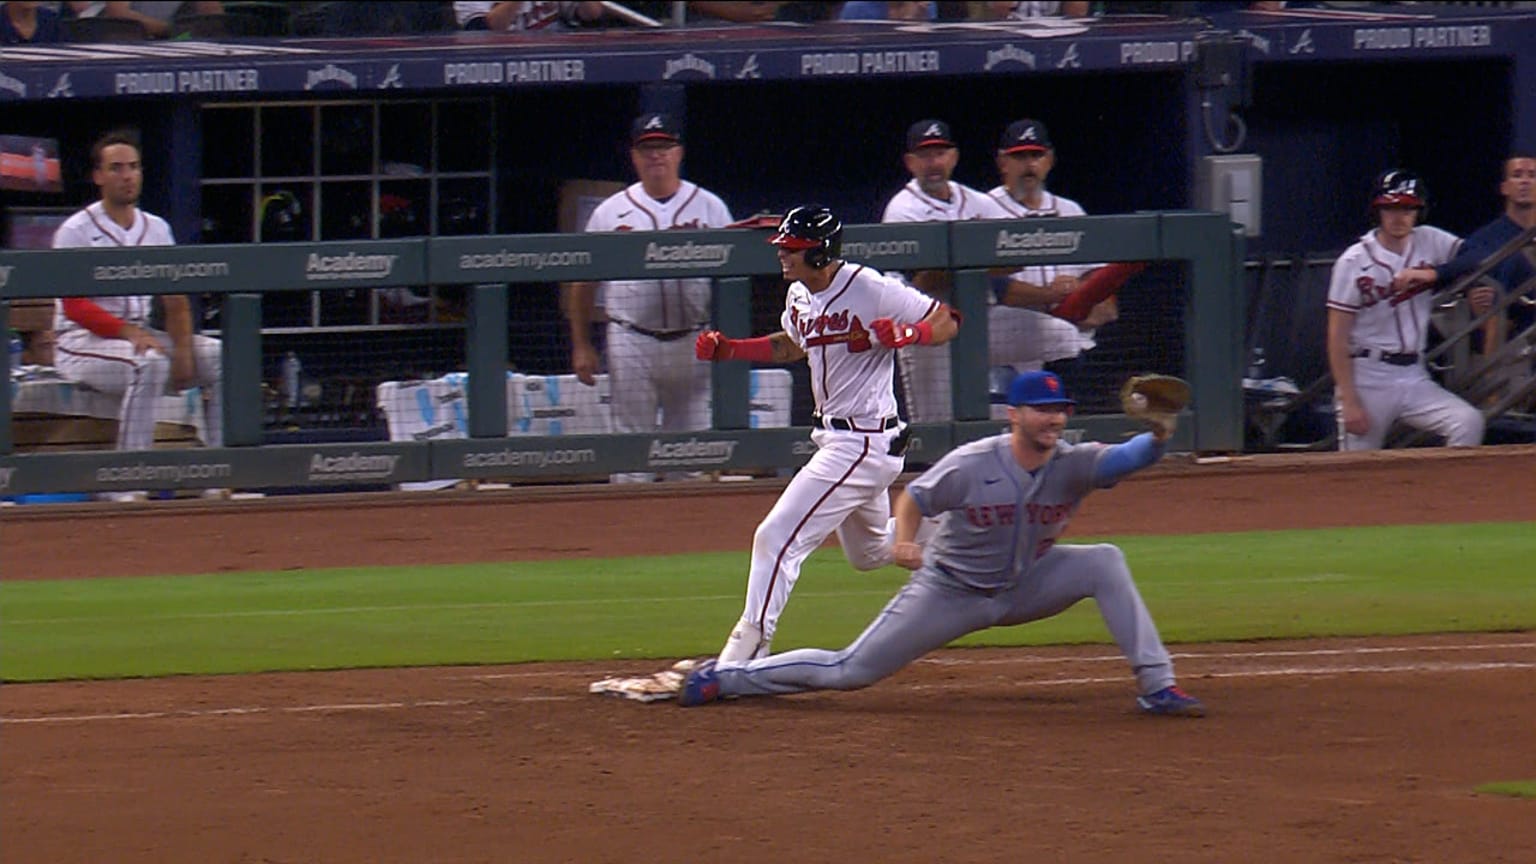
(1210, 324)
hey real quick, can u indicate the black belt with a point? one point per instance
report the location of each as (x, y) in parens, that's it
(658, 335)
(1407, 358)
(844, 424)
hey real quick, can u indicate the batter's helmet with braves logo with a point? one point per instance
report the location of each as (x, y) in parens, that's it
(1398, 188)
(814, 229)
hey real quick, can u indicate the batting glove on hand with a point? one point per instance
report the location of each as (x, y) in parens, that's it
(894, 335)
(712, 345)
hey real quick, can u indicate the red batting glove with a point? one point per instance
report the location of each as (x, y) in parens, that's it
(894, 335)
(712, 345)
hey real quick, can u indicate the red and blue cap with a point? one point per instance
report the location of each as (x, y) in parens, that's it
(1038, 388)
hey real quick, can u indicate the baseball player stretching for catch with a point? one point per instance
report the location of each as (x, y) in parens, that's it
(650, 320)
(1375, 345)
(1004, 500)
(105, 342)
(847, 320)
(930, 196)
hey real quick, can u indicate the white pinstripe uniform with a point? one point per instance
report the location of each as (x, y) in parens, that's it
(1362, 286)
(1024, 338)
(846, 485)
(652, 322)
(110, 365)
(927, 370)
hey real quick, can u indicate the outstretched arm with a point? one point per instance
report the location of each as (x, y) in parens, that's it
(1121, 460)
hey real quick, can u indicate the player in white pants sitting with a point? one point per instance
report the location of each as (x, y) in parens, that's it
(106, 343)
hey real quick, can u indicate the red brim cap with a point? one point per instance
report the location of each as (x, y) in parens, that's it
(1398, 201)
(1026, 148)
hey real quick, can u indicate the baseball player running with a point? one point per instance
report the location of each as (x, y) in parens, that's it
(1375, 345)
(995, 561)
(105, 342)
(930, 196)
(847, 321)
(650, 320)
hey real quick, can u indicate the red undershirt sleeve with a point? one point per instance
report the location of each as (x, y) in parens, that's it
(92, 317)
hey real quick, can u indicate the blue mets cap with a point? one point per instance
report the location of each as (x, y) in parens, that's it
(1038, 388)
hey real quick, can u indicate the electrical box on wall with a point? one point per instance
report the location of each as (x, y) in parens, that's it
(1231, 185)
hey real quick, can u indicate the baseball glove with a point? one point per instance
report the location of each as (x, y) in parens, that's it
(1156, 399)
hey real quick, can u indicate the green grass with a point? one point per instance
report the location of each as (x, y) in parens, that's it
(1254, 585)
(1512, 788)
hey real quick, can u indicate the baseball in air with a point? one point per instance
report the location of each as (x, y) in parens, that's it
(1138, 401)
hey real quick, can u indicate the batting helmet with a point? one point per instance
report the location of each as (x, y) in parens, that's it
(1398, 188)
(814, 229)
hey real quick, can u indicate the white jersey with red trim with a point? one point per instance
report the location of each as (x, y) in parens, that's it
(912, 204)
(660, 305)
(93, 228)
(1362, 285)
(851, 372)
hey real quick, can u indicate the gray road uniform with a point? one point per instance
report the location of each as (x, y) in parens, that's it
(994, 562)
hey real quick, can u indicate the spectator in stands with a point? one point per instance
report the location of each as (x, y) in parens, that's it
(709, 12)
(1375, 345)
(155, 16)
(931, 196)
(106, 343)
(1519, 190)
(386, 17)
(28, 23)
(1022, 336)
(1015, 10)
(651, 323)
(525, 15)
(875, 10)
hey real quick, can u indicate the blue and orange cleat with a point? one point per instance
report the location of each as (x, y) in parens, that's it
(1171, 702)
(700, 687)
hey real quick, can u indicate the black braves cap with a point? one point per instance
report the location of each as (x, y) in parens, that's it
(655, 127)
(1023, 136)
(929, 133)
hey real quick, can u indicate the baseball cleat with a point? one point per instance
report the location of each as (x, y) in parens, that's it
(1171, 702)
(700, 687)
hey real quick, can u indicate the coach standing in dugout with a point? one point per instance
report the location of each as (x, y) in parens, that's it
(651, 322)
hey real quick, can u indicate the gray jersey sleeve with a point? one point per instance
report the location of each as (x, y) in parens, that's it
(998, 519)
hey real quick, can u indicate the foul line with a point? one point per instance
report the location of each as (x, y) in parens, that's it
(1378, 669)
(883, 591)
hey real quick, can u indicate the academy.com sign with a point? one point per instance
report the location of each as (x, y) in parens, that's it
(1025, 244)
(702, 256)
(692, 453)
(353, 466)
(319, 268)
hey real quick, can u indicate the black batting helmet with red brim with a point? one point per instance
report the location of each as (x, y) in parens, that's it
(1399, 189)
(811, 228)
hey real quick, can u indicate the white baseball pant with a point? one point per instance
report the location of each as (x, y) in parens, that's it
(111, 366)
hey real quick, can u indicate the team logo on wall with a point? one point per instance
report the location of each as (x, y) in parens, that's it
(330, 74)
(688, 64)
(61, 88)
(1010, 54)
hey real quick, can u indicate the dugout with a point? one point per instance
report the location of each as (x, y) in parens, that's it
(776, 114)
